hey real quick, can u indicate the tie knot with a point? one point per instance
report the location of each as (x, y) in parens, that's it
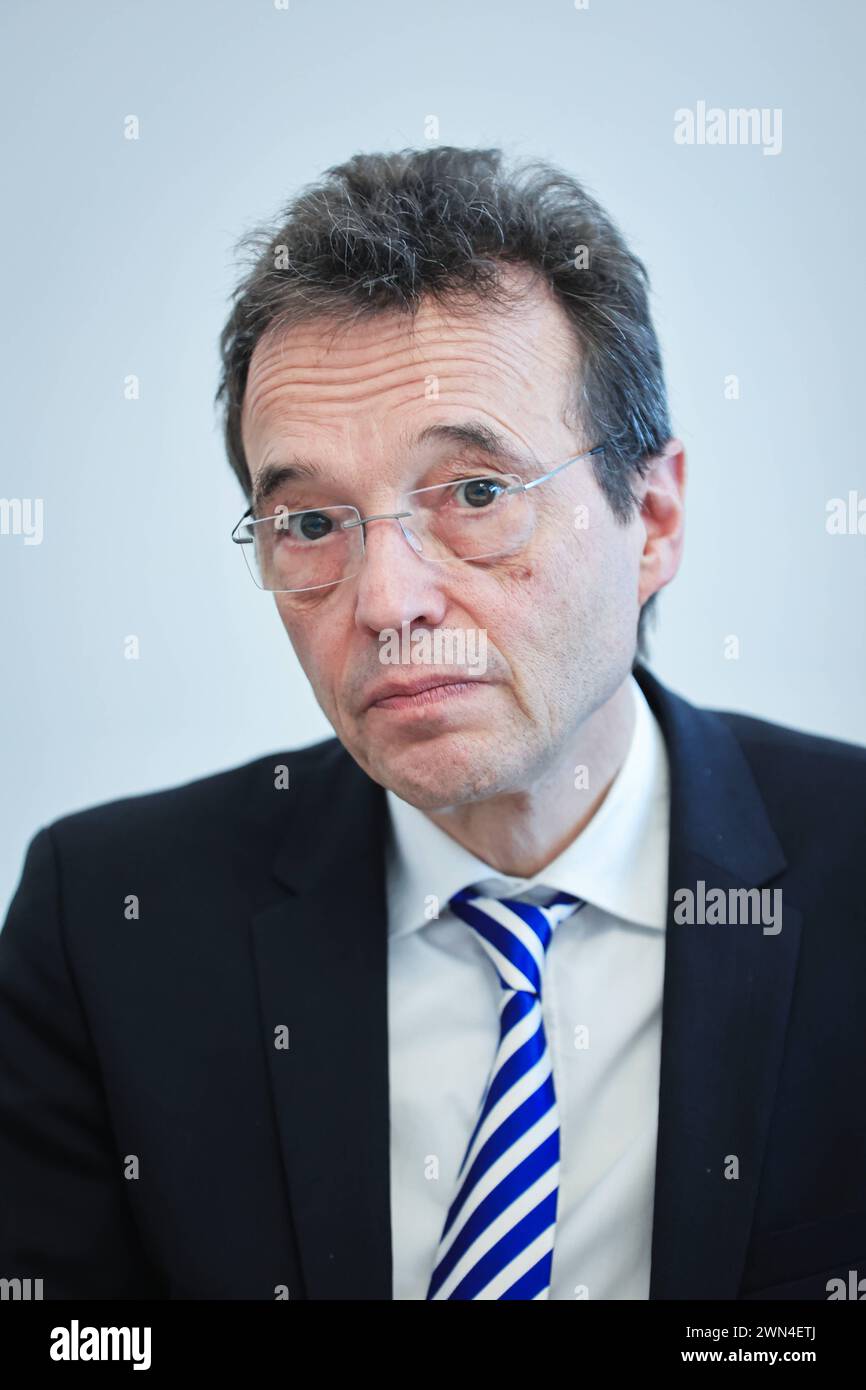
(514, 932)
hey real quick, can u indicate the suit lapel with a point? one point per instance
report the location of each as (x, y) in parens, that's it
(727, 993)
(321, 956)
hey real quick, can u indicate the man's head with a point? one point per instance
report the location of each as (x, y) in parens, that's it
(502, 309)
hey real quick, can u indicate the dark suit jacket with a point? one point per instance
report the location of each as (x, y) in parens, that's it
(258, 908)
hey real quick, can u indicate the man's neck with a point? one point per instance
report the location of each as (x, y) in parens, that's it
(519, 833)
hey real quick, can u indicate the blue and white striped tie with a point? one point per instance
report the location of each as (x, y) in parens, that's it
(498, 1235)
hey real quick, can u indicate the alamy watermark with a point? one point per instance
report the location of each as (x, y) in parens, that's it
(846, 516)
(20, 1290)
(713, 125)
(22, 516)
(734, 907)
(854, 1289)
(443, 647)
(77, 1343)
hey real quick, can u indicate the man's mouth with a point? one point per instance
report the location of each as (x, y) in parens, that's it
(396, 695)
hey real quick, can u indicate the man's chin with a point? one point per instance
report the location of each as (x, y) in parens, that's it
(444, 772)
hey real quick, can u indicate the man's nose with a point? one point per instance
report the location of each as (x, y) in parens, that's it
(395, 585)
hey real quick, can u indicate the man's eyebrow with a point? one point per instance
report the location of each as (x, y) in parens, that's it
(274, 475)
(475, 434)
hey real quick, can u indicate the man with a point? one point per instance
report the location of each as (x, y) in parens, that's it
(536, 982)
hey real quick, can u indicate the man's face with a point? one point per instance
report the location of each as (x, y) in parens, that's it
(559, 615)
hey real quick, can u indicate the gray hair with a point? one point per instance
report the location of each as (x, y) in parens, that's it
(383, 231)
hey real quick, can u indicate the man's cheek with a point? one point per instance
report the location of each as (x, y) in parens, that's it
(515, 574)
(310, 653)
(318, 661)
(538, 586)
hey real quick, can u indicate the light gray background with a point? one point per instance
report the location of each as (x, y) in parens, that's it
(118, 259)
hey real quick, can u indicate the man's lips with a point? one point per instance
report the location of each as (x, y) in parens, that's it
(412, 694)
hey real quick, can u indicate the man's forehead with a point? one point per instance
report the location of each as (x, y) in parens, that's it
(437, 349)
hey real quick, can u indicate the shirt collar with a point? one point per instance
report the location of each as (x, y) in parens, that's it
(618, 862)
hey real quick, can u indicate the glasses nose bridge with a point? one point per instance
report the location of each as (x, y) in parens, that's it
(411, 541)
(376, 516)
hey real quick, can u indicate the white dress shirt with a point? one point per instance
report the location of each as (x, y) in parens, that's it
(601, 1004)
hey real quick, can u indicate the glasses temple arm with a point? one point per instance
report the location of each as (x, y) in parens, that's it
(599, 449)
(242, 540)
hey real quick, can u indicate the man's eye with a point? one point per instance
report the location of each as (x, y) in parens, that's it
(304, 526)
(480, 492)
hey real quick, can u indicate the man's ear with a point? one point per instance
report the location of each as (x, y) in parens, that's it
(662, 511)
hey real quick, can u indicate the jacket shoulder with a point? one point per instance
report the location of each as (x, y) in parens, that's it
(778, 746)
(814, 787)
(204, 806)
